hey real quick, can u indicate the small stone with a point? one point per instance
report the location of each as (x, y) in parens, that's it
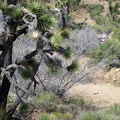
(114, 80)
(95, 93)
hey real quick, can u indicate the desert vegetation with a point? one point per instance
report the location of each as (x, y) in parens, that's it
(41, 57)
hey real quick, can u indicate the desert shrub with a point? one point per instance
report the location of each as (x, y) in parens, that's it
(57, 39)
(46, 96)
(102, 20)
(109, 50)
(116, 33)
(3, 6)
(16, 13)
(83, 40)
(55, 116)
(96, 115)
(99, 28)
(58, 114)
(73, 67)
(115, 109)
(46, 116)
(47, 101)
(48, 106)
(65, 34)
(77, 102)
(23, 108)
(63, 108)
(107, 26)
(114, 10)
(27, 73)
(94, 10)
(65, 116)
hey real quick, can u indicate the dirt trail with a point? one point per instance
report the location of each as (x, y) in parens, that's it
(101, 95)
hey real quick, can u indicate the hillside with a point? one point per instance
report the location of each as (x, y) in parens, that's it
(60, 63)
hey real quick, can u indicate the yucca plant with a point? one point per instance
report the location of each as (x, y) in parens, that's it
(65, 34)
(73, 67)
(15, 13)
(67, 53)
(23, 108)
(39, 9)
(56, 39)
(53, 71)
(45, 22)
(32, 63)
(27, 73)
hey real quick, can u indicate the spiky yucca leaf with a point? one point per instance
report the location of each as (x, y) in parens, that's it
(15, 13)
(53, 70)
(27, 73)
(65, 34)
(56, 39)
(3, 6)
(73, 67)
(24, 107)
(45, 22)
(33, 64)
(67, 53)
(37, 8)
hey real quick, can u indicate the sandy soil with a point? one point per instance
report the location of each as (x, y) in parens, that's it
(100, 95)
(102, 91)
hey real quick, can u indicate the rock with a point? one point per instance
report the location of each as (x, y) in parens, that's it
(114, 80)
(95, 92)
(117, 69)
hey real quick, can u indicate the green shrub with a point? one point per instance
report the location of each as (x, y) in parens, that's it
(23, 108)
(94, 10)
(27, 73)
(45, 21)
(109, 50)
(57, 39)
(67, 116)
(65, 34)
(103, 20)
(116, 34)
(77, 102)
(96, 115)
(53, 71)
(73, 67)
(64, 116)
(3, 6)
(46, 116)
(48, 101)
(99, 28)
(115, 109)
(15, 13)
(63, 108)
(58, 114)
(48, 106)
(46, 96)
(67, 53)
(107, 26)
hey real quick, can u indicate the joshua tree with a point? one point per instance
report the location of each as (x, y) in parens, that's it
(22, 20)
(19, 20)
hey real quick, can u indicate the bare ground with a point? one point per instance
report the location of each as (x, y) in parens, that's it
(102, 91)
